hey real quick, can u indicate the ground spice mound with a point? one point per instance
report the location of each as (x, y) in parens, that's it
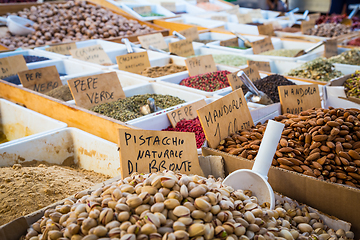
(158, 71)
(25, 189)
(62, 93)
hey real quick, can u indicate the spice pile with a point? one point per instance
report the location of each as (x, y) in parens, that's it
(62, 93)
(3, 138)
(192, 125)
(352, 85)
(208, 82)
(230, 60)
(16, 80)
(209, 6)
(176, 206)
(152, 15)
(205, 41)
(31, 58)
(318, 69)
(157, 71)
(282, 52)
(329, 30)
(238, 47)
(336, 18)
(289, 29)
(129, 108)
(70, 21)
(269, 85)
(25, 189)
(354, 42)
(351, 57)
(322, 143)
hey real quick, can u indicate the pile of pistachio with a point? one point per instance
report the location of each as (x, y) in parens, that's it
(173, 206)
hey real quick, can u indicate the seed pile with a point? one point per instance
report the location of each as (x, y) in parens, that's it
(351, 57)
(129, 108)
(204, 41)
(322, 143)
(158, 71)
(178, 207)
(269, 85)
(354, 42)
(352, 85)
(62, 93)
(230, 60)
(25, 189)
(329, 30)
(31, 58)
(282, 52)
(192, 125)
(152, 15)
(72, 21)
(318, 69)
(209, 6)
(208, 82)
(238, 47)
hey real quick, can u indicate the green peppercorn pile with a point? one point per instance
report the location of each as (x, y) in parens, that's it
(208, 82)
(352, 85)
(351, 57)
(129, 108)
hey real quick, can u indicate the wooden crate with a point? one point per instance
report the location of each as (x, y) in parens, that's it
(15, 7)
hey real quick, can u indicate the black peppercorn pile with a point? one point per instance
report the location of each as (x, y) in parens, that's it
(269, 85)
(31, 58)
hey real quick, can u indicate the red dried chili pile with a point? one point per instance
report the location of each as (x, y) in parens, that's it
(192, 125)
(208, 82)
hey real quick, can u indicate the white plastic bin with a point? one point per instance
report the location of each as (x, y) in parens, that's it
(196, 21)
(155, 8)
(69, 144)
(19, 123)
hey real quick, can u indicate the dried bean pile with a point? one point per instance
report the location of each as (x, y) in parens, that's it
(72, 21)
(158, 71)
(129, 108)
(269, 85)
(322, 143)
(352, 85)
(192, 125)
(329, 30)
(351, 57)
(208, 82)
(169, 206)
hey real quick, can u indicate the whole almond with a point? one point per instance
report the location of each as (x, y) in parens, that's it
(319, 138)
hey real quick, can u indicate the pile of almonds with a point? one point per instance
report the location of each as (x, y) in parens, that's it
(322, 143)
(72, 21)
(172, 206)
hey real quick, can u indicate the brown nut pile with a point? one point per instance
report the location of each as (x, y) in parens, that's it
(329, 30)
(169, 206)
(72, 21)
(322, 143)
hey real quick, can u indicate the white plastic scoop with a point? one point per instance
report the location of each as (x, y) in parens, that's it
(17, 25)
(255, 179)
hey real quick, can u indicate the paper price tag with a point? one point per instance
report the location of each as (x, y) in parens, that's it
(219, 18)
(225, 116)
(306, 25)
(97, 89)
(331, 48)
(63, 49)
(200, 65)
(314, 16)
(244, 18)
(171, 6)
(234, 10)
(262, 66)
(262, 45)
(256, 13)
(190, 33)
(252, 72)
(267, 29)
(93, 54)
(142, 9)
(12, 65)
(183, 48)
(297, 98)
(146, 151)
(156, 40)
(185, 113)
(40, 79)
(133, 62)
(233, 42)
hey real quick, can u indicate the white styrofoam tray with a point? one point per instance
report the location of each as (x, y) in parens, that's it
(19, 123)
(86, 150)
(174, 82)
(275, 41)
(106, 45)
(155, 8)
(50, 55)
(196, 21)
(166, 60)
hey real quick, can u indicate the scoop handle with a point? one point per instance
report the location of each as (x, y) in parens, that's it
(353, 12)
(2, 19)
(319, 44)
(178, 35)
(128, 45)
(267, 148)
(248, 83)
